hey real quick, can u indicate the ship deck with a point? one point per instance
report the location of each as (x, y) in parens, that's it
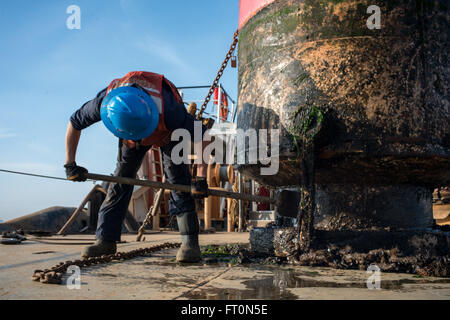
(160, 277)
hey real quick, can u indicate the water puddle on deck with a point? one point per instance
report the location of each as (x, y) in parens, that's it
(276, 286)
(272, 282)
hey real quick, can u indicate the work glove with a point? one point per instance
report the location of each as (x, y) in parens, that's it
(74, 172)
(199, 188)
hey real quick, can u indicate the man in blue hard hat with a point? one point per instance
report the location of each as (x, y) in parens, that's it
(141, 109)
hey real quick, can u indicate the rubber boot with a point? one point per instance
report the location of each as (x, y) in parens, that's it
(189, 228)
(99, 248)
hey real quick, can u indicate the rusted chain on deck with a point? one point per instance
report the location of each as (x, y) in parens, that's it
(55, 274)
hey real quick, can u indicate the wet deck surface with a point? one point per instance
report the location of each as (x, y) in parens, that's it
(160, 277)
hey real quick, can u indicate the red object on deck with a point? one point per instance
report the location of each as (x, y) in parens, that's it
(216, 95)
(248, 8)
(265, 193)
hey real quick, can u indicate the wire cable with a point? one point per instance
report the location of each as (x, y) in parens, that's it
(33, 175)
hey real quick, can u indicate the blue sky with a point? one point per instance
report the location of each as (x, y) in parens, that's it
(49, 71)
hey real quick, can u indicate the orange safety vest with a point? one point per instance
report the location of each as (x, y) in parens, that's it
(152, 84)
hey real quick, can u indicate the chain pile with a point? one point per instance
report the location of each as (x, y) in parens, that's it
(55, 274)
(220, 73)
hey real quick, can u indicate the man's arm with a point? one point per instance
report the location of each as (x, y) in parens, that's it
(87, 115)
(73, 172)
(72, 139)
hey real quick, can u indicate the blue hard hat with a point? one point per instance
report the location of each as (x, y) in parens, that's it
(129, 113)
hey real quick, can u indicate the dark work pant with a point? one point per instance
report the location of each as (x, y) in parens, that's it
(115, 206)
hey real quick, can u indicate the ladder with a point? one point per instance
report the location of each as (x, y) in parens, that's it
(156, 173)
(143, 198)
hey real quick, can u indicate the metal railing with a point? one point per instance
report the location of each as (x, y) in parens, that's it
(217, 103)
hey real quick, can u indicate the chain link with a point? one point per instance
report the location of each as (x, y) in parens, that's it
(145, 223)
(55, 274)
(147, 219)
(219, 74)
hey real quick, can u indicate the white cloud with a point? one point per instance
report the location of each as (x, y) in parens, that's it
(125, 4)
(6, 133)
(163, 51)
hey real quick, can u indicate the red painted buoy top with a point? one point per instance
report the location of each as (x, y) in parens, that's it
(248, 8)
